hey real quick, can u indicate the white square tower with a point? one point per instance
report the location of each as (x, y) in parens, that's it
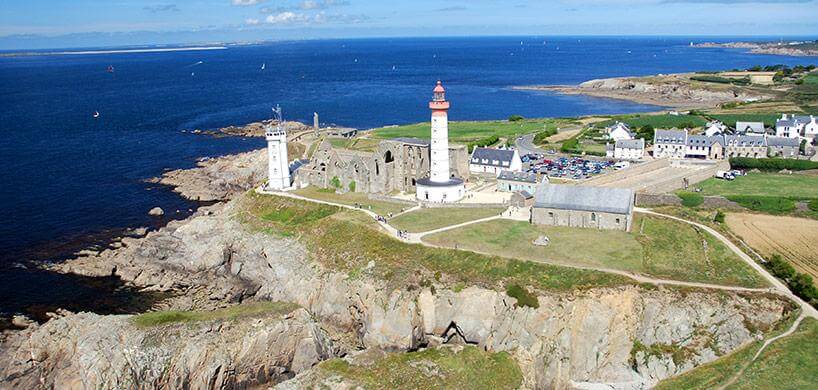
(278, 165)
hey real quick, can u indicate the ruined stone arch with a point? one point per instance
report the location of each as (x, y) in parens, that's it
(387, 157)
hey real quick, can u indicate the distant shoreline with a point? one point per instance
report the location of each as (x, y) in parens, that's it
(121, 51)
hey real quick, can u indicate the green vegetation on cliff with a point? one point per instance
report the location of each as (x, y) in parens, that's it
(244, 310)
(470, 131)
(440, 368)
(351, 242)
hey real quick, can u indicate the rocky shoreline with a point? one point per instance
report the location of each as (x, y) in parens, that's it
(208, 261)
(673, 90)
(766, 48)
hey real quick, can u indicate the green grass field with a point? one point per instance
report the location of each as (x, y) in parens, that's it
(424, 220)
(362, 144)
(656, 246)
(348, 241)
(472, 130)
(244, 310)
(731, 119)
(770, 193)
(788, 363)
(351, 199)
(662, 121)
(439, 368)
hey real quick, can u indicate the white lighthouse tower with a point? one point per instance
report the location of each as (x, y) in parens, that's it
(278, 166)
(440, 186)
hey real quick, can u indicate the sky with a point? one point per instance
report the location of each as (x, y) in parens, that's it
(68, 23)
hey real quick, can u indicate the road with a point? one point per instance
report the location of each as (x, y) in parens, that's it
(525, 145)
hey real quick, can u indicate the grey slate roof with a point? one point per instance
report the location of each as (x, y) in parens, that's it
(705, 141)
(783, 142)
(584, 198)
(676, 137)
(491, 154)
(518, 176)
(412, 141)
(793, 121)
(631, 143)
(750, 127)
(744, 140)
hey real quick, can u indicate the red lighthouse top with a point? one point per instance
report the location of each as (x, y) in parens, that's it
(439, 98)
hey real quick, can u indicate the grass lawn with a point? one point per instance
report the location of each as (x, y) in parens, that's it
(362, 144)
(244, 310)
(352, 198)
(661, 121)
(439, 368)
(472, 130)
(770, 193)
(347, 241)
(787, 363)
(424, 220)
(657, 246)
(731, 119)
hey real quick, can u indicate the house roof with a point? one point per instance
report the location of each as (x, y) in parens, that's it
(783, 141)
(631, 143)
(518, 176)
(793, 120)
(677, 137)
(750, 127)
(705, 141)
(584, 198)
(492, 155)
(744, 140)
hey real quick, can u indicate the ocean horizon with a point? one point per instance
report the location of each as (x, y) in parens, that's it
(70, 177)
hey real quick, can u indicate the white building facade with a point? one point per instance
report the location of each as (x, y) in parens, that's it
(278, 165)
(494, 161)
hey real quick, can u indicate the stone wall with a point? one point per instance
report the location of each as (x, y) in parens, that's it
(634, 169)
(582, 219)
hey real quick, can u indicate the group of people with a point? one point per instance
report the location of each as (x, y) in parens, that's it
(403, 234)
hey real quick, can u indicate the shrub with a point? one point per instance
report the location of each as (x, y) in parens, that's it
(813, 205)
(772, 164)
(646, 132)
(515, 118)
(691, 199)
(571, 146)
(764, 204)
(335, 182)
(780, 268)
(523, 296)
(541, 137)
(352, 186)
(719, 217)
(483, 142)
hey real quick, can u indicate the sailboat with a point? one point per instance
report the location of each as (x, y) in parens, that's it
(110, 69)
(263, 66)
(96, 114)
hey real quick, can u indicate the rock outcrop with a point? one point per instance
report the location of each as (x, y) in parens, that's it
(221, 178)
(579, 338)
(89, 351)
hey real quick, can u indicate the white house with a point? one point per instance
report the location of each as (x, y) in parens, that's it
(715, 128)
(490, 160)
(626, 149)
(793, 126)
(750, 128)
(670, 143)
(619, 131)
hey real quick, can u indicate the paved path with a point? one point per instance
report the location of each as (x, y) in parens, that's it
(525, 145)
(779, 286)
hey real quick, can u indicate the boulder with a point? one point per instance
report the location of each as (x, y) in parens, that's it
(156, 212)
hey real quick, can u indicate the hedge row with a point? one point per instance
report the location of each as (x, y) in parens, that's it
(772, 164)
(488, 141)
(800, 284)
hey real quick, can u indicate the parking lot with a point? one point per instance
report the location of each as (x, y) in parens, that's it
(575, 168)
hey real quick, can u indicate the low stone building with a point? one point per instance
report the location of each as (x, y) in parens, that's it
(669, 143)
(745, 146)
(583, 207)
(509, 181)
(783, 147)
(751, 128)
(626, 149)
(396, 165)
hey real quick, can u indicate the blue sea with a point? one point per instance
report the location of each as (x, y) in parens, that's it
(69, 180)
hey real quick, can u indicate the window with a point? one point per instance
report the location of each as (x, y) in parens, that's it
(617, 221)
(387, 158)
(593, 217)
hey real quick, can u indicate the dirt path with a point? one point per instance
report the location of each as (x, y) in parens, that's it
(416, 238)
(779, 286)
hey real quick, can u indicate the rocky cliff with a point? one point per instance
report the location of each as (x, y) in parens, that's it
(88, 351)
(628, 336)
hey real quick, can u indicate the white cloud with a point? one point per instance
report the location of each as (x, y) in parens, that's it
(251, 21)
(244, 3)
(286, 18)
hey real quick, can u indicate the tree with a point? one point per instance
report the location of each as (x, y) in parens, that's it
(515, 118)
(352, 186)
(646, 132)
(719, 217)
(335, 181)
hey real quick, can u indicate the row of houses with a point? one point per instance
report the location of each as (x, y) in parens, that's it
(680, 144)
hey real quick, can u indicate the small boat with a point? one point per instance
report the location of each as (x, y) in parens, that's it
(393, 67)
(263, 66)
(192, 73)
(356, 60)
(96, 114)
(110, 69)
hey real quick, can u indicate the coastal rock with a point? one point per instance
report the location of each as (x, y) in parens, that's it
(582, 337)
(257, 129)
(91, 351)
(218, 179)
(156, 212)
